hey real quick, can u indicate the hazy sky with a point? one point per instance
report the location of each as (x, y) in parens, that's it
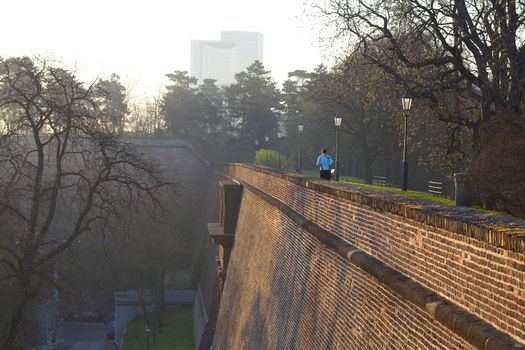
(141, 40)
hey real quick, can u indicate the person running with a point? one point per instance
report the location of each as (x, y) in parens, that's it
(324, 161)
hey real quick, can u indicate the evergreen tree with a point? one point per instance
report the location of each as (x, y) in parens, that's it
(192, 112)
(253, 105)
(112, 98)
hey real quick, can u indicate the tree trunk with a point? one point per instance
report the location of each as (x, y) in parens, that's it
(160, 306)
(476, 140)
(10, 341)
(368, 162)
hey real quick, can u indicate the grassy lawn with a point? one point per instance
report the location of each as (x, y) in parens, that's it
(354, 180)
(410, 193)
(359, 182)
(177, 333)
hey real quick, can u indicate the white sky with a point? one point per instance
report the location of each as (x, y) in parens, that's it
(141, 40)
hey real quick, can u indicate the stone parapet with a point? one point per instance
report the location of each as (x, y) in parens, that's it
(501, 231)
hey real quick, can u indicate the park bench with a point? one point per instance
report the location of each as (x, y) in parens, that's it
(436, 188)
(379, 180)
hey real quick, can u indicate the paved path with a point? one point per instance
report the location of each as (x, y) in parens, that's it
(84, 336)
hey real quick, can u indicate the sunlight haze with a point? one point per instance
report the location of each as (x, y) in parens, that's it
(143, 40)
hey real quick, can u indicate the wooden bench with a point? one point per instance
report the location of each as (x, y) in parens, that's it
(379, 180)
(436, 188)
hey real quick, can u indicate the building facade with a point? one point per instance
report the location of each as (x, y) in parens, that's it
(222, 59)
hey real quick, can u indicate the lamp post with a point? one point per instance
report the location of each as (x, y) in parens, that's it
(337, 121)
(266, 139)
(55, 303)
(300, 129)
(147, 329)
(154, 307)
(279, 136)
(56, 295)
(406, 102)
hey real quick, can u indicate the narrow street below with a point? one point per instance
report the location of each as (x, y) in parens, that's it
(84, 336)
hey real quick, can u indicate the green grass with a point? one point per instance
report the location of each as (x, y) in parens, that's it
(354, 180)
(359, 182)
(413, 194)
(177, 332)
(409, 193)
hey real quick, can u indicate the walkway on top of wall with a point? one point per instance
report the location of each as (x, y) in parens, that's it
(498, 230)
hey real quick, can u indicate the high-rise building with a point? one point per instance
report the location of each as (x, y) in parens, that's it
(222, 59)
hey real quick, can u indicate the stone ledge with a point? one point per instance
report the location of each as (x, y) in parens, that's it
(498, 230)
(468, 326)
(216, 232)
(168, 143)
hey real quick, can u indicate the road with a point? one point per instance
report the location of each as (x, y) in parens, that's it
(84, 336)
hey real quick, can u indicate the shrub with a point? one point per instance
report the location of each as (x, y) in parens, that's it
(496, 178)
(271, 158)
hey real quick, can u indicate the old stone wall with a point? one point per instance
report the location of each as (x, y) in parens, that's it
(205, 308)
(321, 265)
(181, 163)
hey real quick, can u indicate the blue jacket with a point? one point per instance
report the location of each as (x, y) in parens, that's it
(324, 161)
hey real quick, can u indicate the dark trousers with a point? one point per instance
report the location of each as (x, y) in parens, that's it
(325, 174)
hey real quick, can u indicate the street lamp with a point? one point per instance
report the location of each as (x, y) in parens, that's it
(56, 296)
(300, 129)
(147, 329)
(266, 139)
(279, 136)
(55, 303)
(406, 102)
(337, 121)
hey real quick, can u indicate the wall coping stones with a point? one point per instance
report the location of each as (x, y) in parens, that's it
(471, 328)
(168, 143)
(498, 230)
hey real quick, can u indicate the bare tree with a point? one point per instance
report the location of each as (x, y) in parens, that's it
(113, 101)
(61, 175)
(146, 117)
(470, 48)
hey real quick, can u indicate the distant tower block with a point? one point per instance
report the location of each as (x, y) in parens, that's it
(222, 59)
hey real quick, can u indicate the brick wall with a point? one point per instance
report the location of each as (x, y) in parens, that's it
(192, 173)
(196, 205)
(205, 310)
(181, 162)
(285, 288)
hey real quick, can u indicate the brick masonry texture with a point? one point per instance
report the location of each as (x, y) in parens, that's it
(181, 163)
(205, 313)
(465, 258)
(286, 290)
